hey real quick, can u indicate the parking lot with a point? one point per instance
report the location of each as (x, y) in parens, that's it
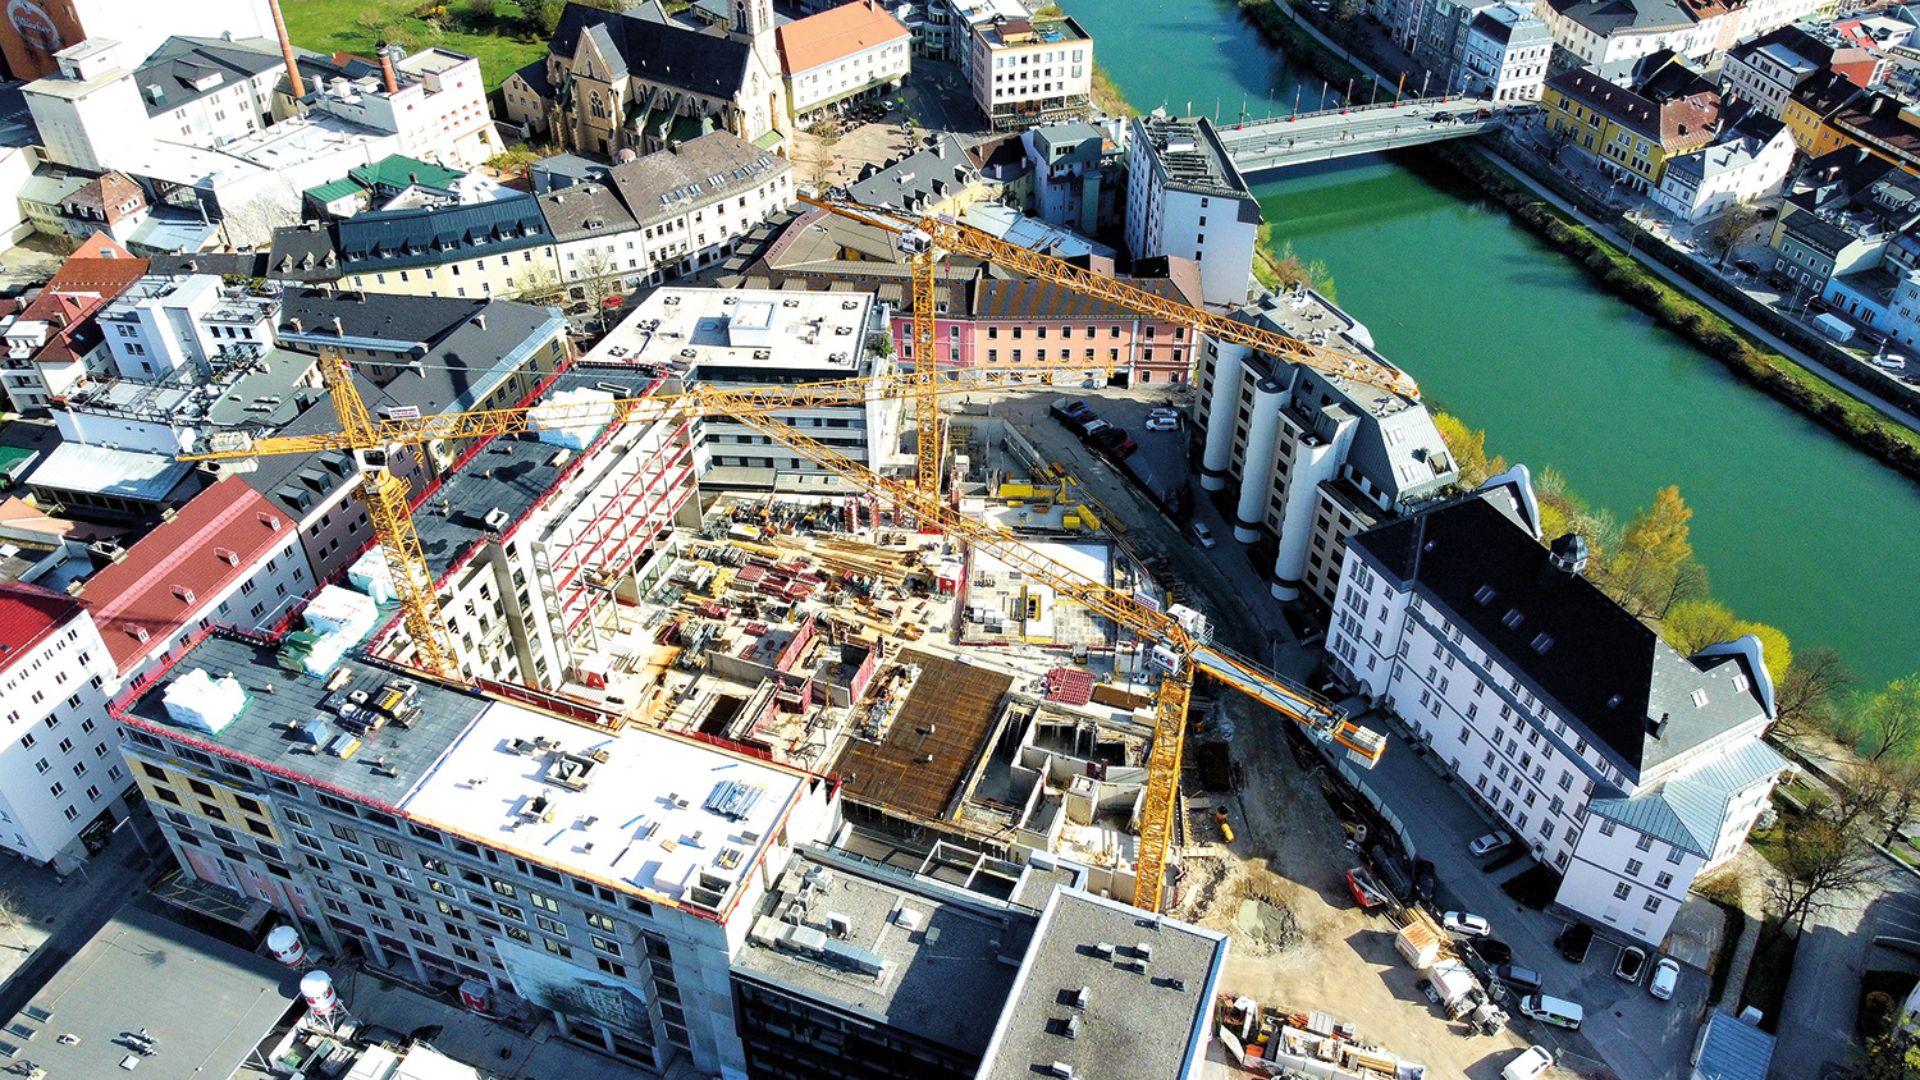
(1627, 1029)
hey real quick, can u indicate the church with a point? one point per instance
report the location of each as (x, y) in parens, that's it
(617, 81)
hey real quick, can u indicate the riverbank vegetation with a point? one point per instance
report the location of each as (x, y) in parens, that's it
(1285, 269)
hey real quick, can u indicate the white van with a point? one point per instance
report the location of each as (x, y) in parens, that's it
(1553, 1010)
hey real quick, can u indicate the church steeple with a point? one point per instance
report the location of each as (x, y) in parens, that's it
(752, 18)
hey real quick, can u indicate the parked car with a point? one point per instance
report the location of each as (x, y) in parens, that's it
(1532, 1061)
(1488, 844)
(1888, 361)
(1423, 880)
(1123, 449)
(1091, 430)
(1201, 534)
(1523, 979)
(1666, 976)
(1163, 423)
(1746, 266)
(1494, 951)
(1465, 922)
(1443, 118)
(1632, 962)
(1574, 941)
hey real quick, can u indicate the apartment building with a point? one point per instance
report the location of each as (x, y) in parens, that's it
(51, 342)
(710, 337)
(109, 203)
(1315, 458)
(435, 355)
(1027, 71)
(404, 851)
(1750, 162)
(1186, 199)
(842, 56)
(161, 325)
(227, 558)
(1078, 172)
(663, 215)
(59, 776)
(1631, 134)
(208, 91)
(1629, 768)
(89, 112)
(1808, 107)
(1021, 320)
(1766, 71)
(1508, 50)
(1611, 37)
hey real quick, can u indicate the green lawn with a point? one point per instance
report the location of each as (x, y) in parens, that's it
(504, 43)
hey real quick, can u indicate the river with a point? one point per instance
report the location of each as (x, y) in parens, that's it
(1794, 527)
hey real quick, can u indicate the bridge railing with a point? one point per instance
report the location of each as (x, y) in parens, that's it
(1416, 104)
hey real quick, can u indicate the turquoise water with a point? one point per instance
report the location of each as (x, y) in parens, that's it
(1795, 528)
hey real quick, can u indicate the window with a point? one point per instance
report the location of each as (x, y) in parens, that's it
(1645, 843)
(1652, 904)
(541, 900)
(549, 926)
(1622, 891)
(1606, 829)
(1663, 879)
(1634, 866)
(1674, 855)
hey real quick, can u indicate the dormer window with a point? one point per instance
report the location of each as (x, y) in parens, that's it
(1484, 595)
(1699, 699)
(1512, 619)
(1740, 683)
(1542, 642)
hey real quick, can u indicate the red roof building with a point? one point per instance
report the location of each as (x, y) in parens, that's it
(57, 330)
(182, 576)
(28, 615)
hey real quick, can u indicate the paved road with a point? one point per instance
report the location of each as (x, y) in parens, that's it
(1627, 1029)
(76, 908)
(1836, 950)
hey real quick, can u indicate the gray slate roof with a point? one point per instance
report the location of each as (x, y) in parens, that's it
(1603, 670)
(1688, 810)
(668, 54)
(1607, 17)
(185, 69)
(714, 166)
(584, 209)
(205, 1003)
(1731, 1050)
(396, 239)
(926, 175)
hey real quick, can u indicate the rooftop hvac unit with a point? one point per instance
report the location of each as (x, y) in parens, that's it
(729, 301)
(849, 305)
(763, 354)
(838, 925)
(497, 519)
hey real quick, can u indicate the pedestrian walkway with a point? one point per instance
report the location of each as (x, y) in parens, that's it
(1753, 903)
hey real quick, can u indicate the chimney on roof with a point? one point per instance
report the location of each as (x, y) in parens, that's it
(480, 320)
(286, 51)
(386, 69)
(295, 323)
(338, 328)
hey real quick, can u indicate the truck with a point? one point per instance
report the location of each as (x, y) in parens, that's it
(1459, 991)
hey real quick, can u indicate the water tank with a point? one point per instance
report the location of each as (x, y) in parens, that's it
(285, 945)
(317, 988)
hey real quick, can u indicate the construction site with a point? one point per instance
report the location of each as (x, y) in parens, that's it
(979, 655)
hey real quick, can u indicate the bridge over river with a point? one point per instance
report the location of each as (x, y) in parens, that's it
(1259, 145)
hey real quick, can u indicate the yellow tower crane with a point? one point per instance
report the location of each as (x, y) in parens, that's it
(927, 239)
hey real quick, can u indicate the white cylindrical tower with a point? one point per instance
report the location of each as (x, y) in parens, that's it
(1223, 406)
(1314, 461)
(284, 943)
(1256, 471)
(317, 988)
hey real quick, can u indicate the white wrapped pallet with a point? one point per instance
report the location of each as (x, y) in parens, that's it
(326, 652)
(200, 701)
(369, 574)
(334, 610)
(571, 437)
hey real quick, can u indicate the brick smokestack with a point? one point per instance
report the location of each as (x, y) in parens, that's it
(286, 51)
(386, 69)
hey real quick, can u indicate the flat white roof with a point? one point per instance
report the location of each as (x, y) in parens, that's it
(1090, 561)
(821, 333)
(646, 817)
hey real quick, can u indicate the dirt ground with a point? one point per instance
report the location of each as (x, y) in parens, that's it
(828, 162)
(1289, 848)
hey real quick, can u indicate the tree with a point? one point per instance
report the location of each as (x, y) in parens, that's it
(1469, 449)
(1827, 853)
(1804, 700)
(1898, 782)
(1652, 549)
(1891, 719)
(542, 286)
(1730, 228)
(1893, 1056)
(1693, 625)
(543, 16)
(515, 160)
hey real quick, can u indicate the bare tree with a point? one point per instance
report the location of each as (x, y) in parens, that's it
(11, 917)
(1892, 720)
(1804, 700)
(1827, 851)
(1730, 228)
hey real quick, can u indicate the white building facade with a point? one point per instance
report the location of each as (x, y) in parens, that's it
(1185, 198)
(841, 55)
(1031, 71)
(1619, 763)
(1750, 165)
(1506, 54)
(59, 769)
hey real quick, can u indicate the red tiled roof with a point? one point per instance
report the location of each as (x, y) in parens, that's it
(187, 557)
(837, 32)
(98, 265)
(29, 613)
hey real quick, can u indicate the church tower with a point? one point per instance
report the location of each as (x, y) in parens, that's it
(753, 24)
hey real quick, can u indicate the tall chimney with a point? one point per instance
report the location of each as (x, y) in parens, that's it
(286, 51)
(386, 69)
